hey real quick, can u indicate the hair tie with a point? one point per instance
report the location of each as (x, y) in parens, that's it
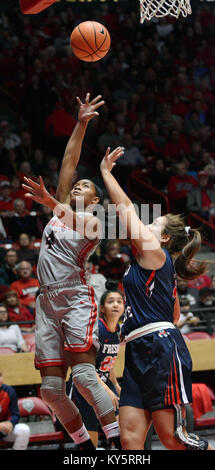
(187, 229)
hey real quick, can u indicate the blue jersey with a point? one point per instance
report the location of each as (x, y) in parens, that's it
(109, 349)
(150, 295)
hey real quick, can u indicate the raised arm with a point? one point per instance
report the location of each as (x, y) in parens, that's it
(141, 237)
(87, 111)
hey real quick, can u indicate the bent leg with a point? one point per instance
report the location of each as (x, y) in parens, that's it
(86, 382)
(53, 392)
(134, 426)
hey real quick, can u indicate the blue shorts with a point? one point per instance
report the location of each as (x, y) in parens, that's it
(157, 371)
(87, 412)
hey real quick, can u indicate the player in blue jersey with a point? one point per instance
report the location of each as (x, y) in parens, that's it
(156, 382)
(111, 309)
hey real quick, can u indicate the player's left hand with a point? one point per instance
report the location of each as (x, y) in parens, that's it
(110, 158)
(88, 110)
(36, 191)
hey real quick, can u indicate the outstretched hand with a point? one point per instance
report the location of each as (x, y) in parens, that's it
(36, 191)
(109, 159)
(88, 110)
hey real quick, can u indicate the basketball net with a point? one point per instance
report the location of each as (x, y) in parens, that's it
(158, 8)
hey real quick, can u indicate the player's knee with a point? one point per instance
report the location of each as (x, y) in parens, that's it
(85, 380)
(53, 393)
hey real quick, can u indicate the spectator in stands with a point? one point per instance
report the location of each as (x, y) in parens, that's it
(206, 300)
(96, 280)
(112, 264)
(26, 150)
(10, 428)
(10, 335)
(175, 147)
(200, 282)
(109, 138)
(187, 320)
(6, 201)
(53, 170)
(8, 269)
(9, 166)
(131, 159)
(184, 290)
(11, 139)
(18, 312)
(180, 185)
(159, 175)
(201, 199)
(25, 250)
(26, 286)
(213, 283)
(21, 221)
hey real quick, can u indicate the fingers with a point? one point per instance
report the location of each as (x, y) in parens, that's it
(31, 183)
(97, 98)
(27, 188)
(118, 152)
(78, 100)
(107, 152)
(87, 99)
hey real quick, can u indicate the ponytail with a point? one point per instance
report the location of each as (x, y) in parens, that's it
(183, 245)
(186, 267)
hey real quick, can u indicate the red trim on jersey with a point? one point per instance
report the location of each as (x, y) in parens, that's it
(48, 362)
(176, 383)
(81, 258)
(86, 345)
(152, 275)
(105, 324)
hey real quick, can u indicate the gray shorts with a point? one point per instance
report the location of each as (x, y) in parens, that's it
(66, 320)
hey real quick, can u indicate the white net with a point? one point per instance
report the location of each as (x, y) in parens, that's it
(160, 8)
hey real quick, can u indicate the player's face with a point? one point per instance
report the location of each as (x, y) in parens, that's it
(113, 306)
(83, 192)
(157, 227)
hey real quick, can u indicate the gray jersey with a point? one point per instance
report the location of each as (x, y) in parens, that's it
(63, 253)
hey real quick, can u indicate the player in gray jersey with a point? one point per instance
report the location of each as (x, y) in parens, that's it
(66, 314)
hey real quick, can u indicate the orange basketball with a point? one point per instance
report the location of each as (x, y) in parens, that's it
(90, 41)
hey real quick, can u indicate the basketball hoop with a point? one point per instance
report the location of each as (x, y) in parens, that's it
(159, 8)
(32, 7)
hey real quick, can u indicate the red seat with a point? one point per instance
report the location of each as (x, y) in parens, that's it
(203, 409)
(197, 335)
(34, 406)
(7, 351)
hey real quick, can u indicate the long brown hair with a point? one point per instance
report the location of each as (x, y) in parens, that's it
(183, 246)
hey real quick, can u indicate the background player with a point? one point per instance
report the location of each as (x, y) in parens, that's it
(157, 375)
(111, 309)
(66, 315)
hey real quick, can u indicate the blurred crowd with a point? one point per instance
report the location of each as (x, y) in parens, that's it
(158, 83)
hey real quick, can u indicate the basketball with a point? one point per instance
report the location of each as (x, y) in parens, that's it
(90, 41)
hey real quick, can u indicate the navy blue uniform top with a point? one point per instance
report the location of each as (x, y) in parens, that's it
(108, 351)
(150, 295)
(8, 405)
